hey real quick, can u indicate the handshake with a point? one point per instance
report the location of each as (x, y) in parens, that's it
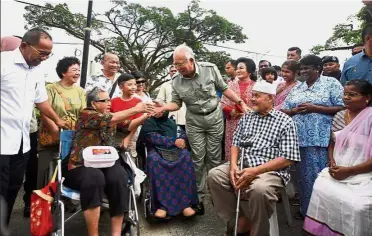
(155, 108)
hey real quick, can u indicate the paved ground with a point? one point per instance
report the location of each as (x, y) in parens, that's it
(206, 225)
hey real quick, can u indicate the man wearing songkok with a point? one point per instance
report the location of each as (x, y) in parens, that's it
(266, 140)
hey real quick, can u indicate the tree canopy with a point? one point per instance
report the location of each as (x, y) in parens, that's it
(346, 34)
(144, 37)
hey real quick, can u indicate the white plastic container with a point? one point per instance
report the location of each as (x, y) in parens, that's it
(100, 156)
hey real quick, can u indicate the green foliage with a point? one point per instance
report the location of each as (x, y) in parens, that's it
(346, 33)
(144, 37)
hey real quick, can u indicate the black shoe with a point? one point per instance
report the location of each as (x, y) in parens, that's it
(199, 209)
(26, 212)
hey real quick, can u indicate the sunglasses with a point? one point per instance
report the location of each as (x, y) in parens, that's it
(107, 100)
(140, 82)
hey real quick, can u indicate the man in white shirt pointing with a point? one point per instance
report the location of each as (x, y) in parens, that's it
(22, 86)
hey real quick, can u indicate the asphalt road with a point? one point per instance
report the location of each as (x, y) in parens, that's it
(206, 225)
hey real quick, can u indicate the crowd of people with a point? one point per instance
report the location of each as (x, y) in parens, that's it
(305, 118)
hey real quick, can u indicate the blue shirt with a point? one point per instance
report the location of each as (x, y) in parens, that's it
(314, 129)
(357, 67)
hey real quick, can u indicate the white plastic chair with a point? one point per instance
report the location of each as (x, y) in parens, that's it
(274, 226)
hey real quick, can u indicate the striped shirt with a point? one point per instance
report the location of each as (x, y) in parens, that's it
(338, 122)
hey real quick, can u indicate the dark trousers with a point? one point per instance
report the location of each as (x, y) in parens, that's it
(12, 170)
(31, 170)
(93, 183)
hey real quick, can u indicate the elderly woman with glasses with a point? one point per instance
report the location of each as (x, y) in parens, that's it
(96, 127)
(312, 105)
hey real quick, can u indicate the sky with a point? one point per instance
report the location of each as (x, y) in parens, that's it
(272, 26)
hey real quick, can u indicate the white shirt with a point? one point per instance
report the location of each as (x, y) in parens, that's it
(21, 87)
(145, 98)
(165, 95)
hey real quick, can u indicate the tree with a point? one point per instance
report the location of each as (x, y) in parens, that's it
(349, 33)
(144, 37)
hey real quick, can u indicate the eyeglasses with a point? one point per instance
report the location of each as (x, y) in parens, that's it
(42, 54)
(140, 82)
(263, 66)
(179, 64)
(107, 100)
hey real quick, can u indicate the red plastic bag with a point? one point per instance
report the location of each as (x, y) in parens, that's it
(41, 219)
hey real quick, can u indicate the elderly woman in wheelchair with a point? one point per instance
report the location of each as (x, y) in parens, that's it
(96, 127)
(169, 168)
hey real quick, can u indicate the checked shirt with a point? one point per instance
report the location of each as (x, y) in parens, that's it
(264, 138)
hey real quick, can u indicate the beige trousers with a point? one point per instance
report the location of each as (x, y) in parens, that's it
(260, 203)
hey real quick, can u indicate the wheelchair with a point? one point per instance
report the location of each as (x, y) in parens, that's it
(131, 219)
(145, 197)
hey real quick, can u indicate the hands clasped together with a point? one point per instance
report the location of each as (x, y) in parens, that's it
(242, 179)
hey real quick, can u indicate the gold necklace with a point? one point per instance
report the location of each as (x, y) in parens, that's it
(347, 117)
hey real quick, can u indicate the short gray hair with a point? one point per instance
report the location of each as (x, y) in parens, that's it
(108, 54)
(92, 96)
(189, 53)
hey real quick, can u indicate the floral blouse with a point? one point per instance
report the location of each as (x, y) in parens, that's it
(92, 129)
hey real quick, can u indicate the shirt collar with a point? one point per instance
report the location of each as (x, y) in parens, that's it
(101, 74)
(197, 70)
(19, 59)
(364, 55)
(271, 113)
(305, 86)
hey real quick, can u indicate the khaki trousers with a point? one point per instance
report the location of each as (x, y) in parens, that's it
(205, 135)
(260, 203)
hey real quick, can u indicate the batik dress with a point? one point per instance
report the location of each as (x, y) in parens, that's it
(172, 183)
(314, 130)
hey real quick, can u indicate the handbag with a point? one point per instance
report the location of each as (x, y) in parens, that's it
(41, 218)
(168, 154)
(46, 138)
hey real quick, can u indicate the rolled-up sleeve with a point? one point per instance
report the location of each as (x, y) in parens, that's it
(288, 145)
(41, 93)
(337, 93)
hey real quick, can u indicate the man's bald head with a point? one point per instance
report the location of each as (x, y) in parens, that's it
(110, 63)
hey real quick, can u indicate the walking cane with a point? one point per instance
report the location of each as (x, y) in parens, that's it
(238, 205)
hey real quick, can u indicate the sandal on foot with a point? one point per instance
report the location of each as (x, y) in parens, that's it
(160, 213)
(188, 212)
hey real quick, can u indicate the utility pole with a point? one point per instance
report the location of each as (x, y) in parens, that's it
(84, 64)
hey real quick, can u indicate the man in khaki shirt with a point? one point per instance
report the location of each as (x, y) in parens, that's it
(195, 85)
